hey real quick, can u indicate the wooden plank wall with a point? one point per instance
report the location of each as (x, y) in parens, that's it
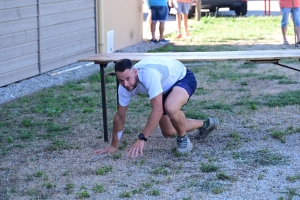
(37, 36)
(67, 31)
(18, 40)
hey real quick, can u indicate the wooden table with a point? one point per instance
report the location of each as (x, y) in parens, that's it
(257, 56)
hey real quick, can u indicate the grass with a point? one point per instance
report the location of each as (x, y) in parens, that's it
(224, 176)
(58, 145)
(283, 99)
(47, 138)
(103, 170)
(208, 167)
(293, 178)
(261, 158)
(234, 31)
(69, 186)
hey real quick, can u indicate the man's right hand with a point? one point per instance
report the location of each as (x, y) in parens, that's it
(111, 149)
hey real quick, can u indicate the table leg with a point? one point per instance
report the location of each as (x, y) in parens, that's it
(117, 85)
(104, 109)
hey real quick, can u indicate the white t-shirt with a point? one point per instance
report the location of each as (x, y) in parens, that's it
(156, 75)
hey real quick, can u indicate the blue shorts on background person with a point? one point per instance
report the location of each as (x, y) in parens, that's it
(159, 13)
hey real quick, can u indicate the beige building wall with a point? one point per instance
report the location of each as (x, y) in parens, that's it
(120, 24)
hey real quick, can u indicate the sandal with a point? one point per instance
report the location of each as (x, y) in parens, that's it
(285, 42)
(179, 36)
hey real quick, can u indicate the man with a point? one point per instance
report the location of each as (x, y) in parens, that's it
(287, 7)
(169, 85)
(159, 10)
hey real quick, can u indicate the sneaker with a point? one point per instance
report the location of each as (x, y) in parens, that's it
(154, 41)
(163, 41)
(285, 42)
(209, 125)
(298, 44)
(184, 144)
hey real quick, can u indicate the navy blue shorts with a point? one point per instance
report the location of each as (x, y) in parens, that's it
(189, 83)
(159, 13)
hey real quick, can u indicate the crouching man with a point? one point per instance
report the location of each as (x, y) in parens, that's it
(169, 85)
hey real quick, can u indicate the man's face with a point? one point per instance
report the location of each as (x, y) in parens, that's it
(128, 79)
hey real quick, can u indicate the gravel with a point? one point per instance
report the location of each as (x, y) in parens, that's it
(48, 79)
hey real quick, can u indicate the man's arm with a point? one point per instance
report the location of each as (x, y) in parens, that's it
(153, 120)
(118, 125)
(155, 115)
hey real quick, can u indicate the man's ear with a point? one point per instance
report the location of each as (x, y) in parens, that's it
(135, 71)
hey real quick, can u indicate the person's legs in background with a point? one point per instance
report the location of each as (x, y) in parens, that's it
(182, 13)
(284, 22)
(185, 12)
(162, 12)
(178, 18)
(161, 30)
(153, 29)
(154, 18)
(296, 19)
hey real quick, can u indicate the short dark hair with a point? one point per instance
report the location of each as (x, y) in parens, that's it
(122, 65)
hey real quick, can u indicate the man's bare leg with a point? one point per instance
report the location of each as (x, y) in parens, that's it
(297, 29)
(153, 29)
(178, 18)
(168, 130)
(175, 100)
(185, 22)
(161, 30)
(284, 30)
(175, 122)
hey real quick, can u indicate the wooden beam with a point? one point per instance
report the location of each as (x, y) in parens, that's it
(255, 55)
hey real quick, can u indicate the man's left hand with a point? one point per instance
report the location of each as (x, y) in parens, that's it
(136, 148)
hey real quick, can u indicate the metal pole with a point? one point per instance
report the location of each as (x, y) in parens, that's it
(104, 110)
(117, 86)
